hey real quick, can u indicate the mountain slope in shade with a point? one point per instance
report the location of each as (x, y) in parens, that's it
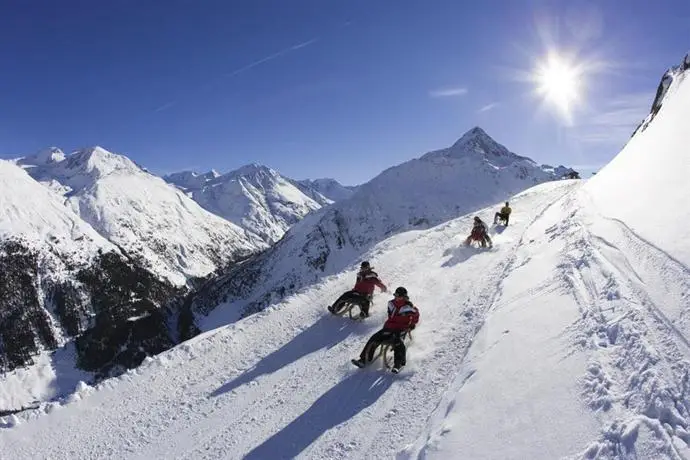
(325, 191)
(418, 194)
(254, 197)
(166, 230)
(191, 180)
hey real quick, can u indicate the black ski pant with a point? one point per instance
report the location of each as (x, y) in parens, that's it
(392, 336)
(500, 216)
(360, 299)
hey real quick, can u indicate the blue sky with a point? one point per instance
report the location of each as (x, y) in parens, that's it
(317, 88)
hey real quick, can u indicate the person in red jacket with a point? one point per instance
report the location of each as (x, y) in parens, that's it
(402, 317)
(480, 232)
(363, 292)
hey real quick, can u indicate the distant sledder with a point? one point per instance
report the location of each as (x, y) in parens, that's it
(402, 318)
(362, 293)
(480, 233)
(503, 215)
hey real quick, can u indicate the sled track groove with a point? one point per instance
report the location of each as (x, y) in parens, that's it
(489, 295)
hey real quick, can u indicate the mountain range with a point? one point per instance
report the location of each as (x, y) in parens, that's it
(258, 198)
(166, 231)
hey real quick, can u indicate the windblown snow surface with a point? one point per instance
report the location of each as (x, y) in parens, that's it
(568, 339)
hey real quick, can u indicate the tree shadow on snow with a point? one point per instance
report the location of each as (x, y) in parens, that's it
(322, 334)
(339, 404)
(460, 254)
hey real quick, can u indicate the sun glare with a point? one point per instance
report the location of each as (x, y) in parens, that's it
(559, 83)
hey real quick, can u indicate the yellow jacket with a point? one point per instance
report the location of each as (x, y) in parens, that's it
(506, 210)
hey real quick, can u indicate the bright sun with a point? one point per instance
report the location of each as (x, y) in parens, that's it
(558, 82)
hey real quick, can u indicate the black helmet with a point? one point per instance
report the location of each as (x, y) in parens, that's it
(364, 265)
(506, 203)
(476, 218)
(400, 292)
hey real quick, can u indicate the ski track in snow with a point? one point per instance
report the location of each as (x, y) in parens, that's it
(279, 384)
(633, 329)
(637, 377)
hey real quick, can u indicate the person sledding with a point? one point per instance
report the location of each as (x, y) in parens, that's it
(402, 318)
(503, 215)
(480, 232)
(363, 292)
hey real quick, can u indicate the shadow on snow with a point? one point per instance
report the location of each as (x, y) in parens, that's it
(321, 334)
(460, 254)
(498, 229)
(342, 402)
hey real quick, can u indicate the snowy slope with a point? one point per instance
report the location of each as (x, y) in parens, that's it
(554, 344)
(644, 165)
(253, 197)
(615, 283)
(418, 194)
(142, 214)
(279, 384)
(325, 191)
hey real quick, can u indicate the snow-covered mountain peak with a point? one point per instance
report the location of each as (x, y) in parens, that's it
(253, 196)
(191, 180)
(45, 156)
(142, 214)
(37, 216)
(475, 133)
(478, 140)
(477, 144)
(325, 191)
(68, 174)
(664, 89)
(79, 168)
(253, 170)
(98, 161)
